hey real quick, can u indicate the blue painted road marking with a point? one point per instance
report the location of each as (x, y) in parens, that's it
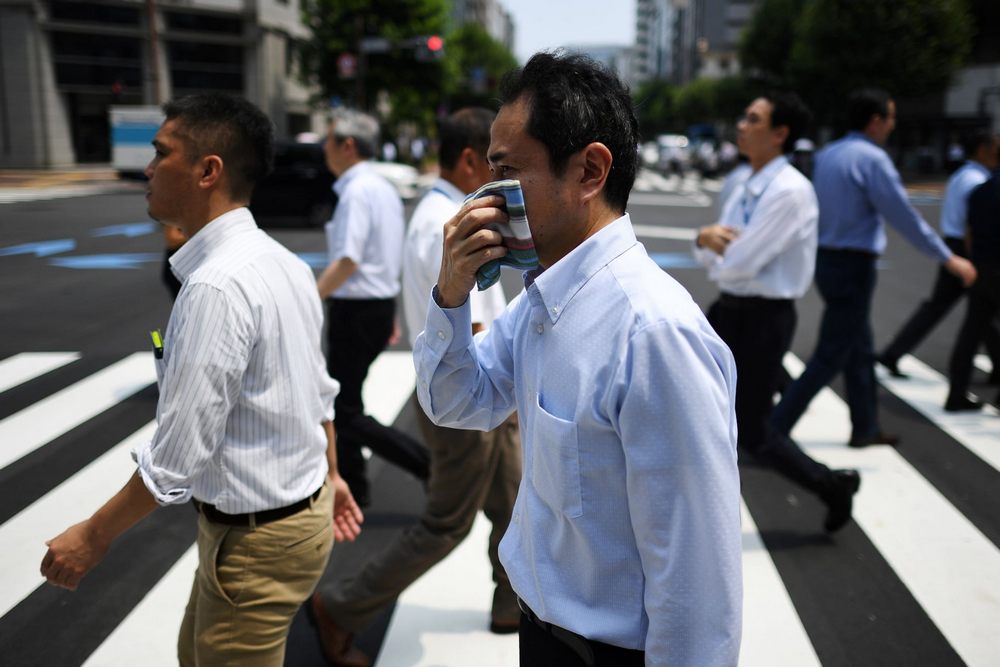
(133, 260)
(130, 230)
(40, 248)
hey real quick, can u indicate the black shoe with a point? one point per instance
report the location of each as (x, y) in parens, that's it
(879, 438)
(840, 499)
(962, 404)
(891, 366)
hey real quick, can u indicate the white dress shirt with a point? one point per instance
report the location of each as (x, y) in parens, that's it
(422, 261)
(367, 226)
(774, 255)
(626, 527)
(243, 383)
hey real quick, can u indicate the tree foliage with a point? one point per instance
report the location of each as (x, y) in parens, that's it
(769, 37)
(416, 88)
(475, 64)
(655, 103)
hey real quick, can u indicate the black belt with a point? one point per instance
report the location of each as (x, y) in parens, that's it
(251, 519)
(736, 300)
(577, 643)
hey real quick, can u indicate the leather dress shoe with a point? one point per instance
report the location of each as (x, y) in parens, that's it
(892, 366)
(337, 643)
(879, 438)
(962, 404)
(840, 499)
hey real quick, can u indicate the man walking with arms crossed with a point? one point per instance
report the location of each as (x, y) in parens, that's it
(245, 408)
(624, 545)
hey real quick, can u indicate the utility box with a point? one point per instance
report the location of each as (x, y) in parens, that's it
(132, 132)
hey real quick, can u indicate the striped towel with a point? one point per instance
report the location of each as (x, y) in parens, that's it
(516, 235)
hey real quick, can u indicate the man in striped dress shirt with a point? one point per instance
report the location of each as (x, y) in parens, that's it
(245, 409)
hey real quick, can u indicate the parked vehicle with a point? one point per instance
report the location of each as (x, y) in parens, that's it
(675, 156)
(299, 191)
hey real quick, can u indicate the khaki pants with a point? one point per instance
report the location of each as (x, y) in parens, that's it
(470, 471)
(249, 585)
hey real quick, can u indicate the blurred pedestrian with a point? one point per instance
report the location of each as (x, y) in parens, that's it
(984, 149)
(624, 547)
(245, 408)
(470, 470)
(762, 253)
(984, 296)
(365, 248)
(857, 187)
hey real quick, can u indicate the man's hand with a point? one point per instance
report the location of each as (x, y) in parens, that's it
(347, 516)
(467, 246)
(73, 554)
(962, 269)
(716, 238)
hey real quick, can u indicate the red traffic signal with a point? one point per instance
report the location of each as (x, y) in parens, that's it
(435, 43)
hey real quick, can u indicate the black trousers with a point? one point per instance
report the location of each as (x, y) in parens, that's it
(948, 290)
(980, 319)
(538, 647)
(358, 330)
(759, 332)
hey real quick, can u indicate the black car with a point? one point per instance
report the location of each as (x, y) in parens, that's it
(298, 192)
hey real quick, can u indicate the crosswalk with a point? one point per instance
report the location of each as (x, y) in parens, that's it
(925, 517)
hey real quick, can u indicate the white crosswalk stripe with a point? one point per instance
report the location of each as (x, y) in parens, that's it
(17, 195)
(948, 565)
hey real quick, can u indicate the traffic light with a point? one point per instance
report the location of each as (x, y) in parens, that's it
(429, 48)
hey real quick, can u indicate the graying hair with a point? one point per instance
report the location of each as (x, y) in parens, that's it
(353, 124)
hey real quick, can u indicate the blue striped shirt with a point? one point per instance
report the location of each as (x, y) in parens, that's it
(858, 187)
(243, 383)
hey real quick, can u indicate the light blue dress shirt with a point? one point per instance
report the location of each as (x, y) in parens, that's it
(626, 528)
(956, 197)
(858, 187)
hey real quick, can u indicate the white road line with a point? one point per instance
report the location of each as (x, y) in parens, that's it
(29, 429)
(772, 631)
(390, 383)
(442, 620)
(148, 635)
(28, 365)
(16, 195)
(951, 568)
(664, 232)
(692, 199)
(926, 390)
(22, 538)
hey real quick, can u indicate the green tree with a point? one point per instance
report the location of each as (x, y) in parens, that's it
(713, 100)
(768, 39)
(907, 47)
(655, 103)
(474, 66)
(415, 87)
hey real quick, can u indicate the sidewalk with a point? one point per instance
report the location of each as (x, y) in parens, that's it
(92, 174)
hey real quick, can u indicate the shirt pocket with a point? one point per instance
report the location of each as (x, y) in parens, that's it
(556, 462)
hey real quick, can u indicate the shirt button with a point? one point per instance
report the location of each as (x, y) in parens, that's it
(540, 328)
(441, 335)
(555, 310)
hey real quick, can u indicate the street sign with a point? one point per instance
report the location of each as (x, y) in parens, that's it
(347, 65)
(375, 45)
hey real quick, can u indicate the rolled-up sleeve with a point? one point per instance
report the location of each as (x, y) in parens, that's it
(206, 354)
(463, 382)
(675, 392)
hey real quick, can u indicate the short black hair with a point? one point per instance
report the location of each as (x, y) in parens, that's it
(788, 110)
(977, 139)
(574, 101)
(466, 128)
(863, 104)
(230, 127)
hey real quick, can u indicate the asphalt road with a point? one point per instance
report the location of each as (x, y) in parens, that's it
(82, 275)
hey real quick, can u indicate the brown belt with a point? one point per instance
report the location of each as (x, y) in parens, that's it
(251, 519)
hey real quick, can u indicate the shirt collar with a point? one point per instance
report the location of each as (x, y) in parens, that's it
(856, 134)
(449, 190)
(976, 166)
(557, 285)
(197, 249)
(352, 172)
(759, 181)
